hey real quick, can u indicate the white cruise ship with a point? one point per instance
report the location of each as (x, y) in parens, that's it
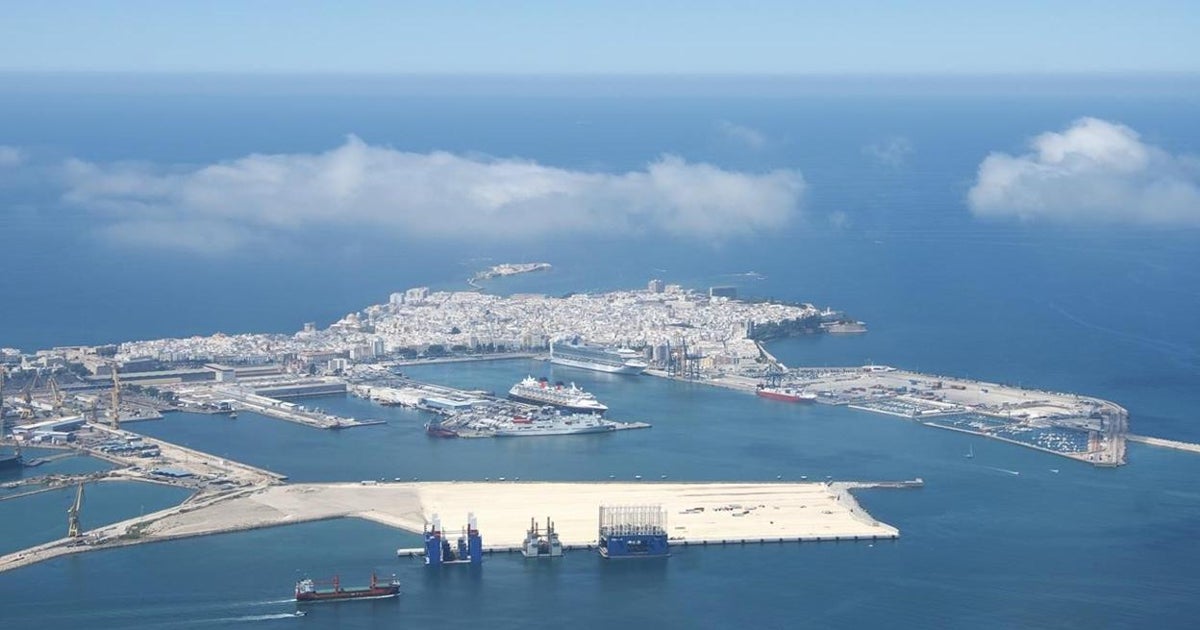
(599, 358)
(539, 391)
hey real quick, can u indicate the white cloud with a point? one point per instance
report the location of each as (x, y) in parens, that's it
(1095, 171)
(893, 151)
(357, 185)
(743, 135)
(10, 156)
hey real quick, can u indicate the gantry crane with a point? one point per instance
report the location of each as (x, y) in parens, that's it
(73, 530)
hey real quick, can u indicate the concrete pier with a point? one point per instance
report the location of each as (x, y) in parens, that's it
(1191, 447)
(698, 513)
(1078, 427)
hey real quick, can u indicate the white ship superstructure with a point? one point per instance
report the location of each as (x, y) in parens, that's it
(569, 398)
(598, 358)
(553, 423)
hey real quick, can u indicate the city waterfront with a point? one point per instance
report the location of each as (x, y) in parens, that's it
(1042, 527)
(1009, 537)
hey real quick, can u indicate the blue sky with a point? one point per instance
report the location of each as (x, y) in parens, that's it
(616, 36)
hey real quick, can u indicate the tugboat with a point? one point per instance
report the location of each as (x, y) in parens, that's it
(307, 591)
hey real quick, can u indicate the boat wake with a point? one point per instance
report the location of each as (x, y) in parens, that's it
(1004, 470)
(1181, 353)
(267, 617)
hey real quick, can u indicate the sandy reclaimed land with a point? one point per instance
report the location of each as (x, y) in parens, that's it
(732, 511)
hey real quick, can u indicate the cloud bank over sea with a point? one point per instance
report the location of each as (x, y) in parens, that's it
(1094, 172)
(248, 200)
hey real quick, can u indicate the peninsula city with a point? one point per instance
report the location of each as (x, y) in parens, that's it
(76, 399)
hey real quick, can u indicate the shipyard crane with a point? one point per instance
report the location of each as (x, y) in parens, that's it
(96, 409)
(56, 396)
(27, 397)
(73, 530)
(114, 414)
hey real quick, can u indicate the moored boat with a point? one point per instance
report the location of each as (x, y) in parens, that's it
(550, 422)
(569, 398)
(437, 429)
(598, 358)
(786, 394)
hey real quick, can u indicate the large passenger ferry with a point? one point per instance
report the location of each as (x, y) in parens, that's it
(599, 358)
(539, 391)
(547, 422)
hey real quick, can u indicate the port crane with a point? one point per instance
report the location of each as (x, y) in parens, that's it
(27, 396)
(73, 530)
(114, 414)
(56, 396)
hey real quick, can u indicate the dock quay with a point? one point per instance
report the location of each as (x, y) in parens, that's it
(467, 413)
(1078, 427)
(698, 513)
(291, 412)
(1165, 443)
(266, 396)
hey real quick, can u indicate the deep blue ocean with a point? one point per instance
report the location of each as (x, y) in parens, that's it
(1109, 312)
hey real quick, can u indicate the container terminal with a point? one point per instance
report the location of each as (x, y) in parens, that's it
(1078, 427)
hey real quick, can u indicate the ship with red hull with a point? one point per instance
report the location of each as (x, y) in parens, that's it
(438, 430)
(786, 394)
(308, 591)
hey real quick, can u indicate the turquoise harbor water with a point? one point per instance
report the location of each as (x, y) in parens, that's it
(1103, 311)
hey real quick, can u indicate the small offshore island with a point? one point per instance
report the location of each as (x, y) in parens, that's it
(506, 269)
(76, 399)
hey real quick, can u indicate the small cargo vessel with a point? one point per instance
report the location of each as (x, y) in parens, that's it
(10, 460)
(786, 394)
(307, 590)
(438, 430)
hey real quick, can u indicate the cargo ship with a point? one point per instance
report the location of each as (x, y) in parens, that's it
(550, 422)
(307, 590)
(598, 358)
(10, 461)
(435, 428)
(540, 392)
(785, 394)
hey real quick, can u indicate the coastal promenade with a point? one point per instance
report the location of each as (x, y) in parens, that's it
(698, 513)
